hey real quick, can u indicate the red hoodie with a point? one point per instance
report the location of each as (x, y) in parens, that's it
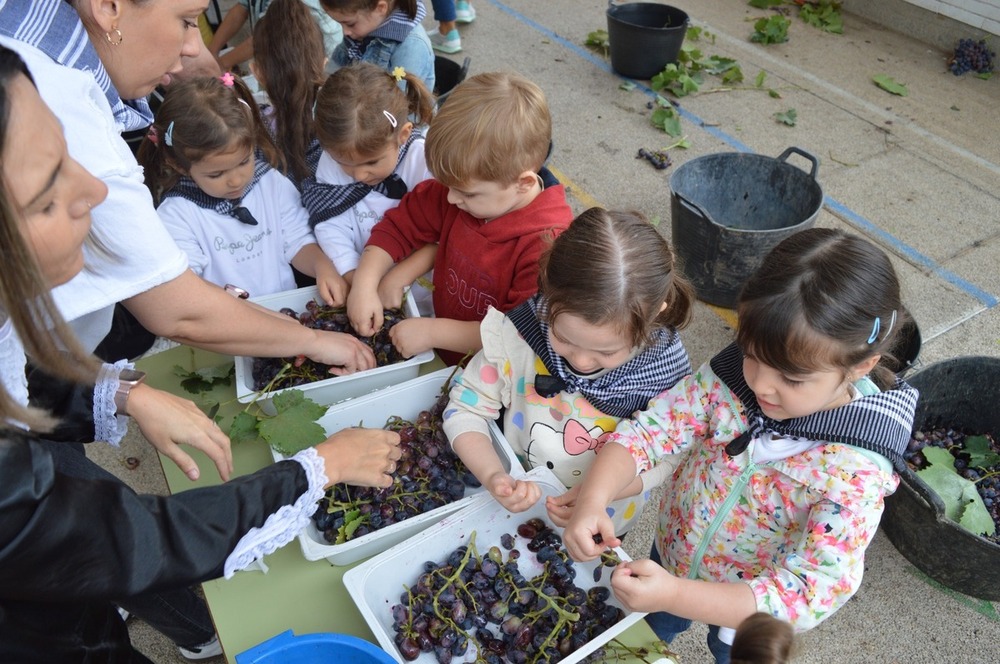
(479, 264)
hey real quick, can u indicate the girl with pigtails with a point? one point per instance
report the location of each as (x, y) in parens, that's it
(373, 154)
(210, 164)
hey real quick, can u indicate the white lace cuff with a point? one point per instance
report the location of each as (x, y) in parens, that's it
(282, 526)
(109, 426)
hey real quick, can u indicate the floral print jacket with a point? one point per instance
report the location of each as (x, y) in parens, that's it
(795, 529)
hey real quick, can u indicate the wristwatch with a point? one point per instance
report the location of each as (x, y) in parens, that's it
(127, 379)
(236, 291)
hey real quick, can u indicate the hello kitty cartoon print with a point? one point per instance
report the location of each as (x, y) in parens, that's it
(567, 453)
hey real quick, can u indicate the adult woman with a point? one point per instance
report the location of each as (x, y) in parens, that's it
(66, 544)
(87, 56)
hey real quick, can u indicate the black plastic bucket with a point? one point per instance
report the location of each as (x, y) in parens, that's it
(728, 210)
(960, 393)
(644, 37)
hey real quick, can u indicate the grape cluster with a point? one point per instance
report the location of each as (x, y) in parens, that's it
(971, 56)
(275, 373)
(428, 475)
(486, 601)
(658, 159)
(987, 479)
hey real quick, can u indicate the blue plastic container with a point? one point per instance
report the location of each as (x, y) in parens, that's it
(322, 648)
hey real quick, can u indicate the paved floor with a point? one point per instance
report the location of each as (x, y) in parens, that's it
(917, 174)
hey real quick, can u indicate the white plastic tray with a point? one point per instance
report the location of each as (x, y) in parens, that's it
(337, 388)
(376, 584)
(373, 410)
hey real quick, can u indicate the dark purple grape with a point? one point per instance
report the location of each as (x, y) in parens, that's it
(409, 649)
(506, 541)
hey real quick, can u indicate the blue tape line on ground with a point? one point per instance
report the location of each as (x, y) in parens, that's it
(837, 207)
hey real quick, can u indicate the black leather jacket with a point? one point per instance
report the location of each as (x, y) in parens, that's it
(67, 546)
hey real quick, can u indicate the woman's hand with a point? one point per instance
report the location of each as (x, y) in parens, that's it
(413, 336)
(343, 352)
(168, 421)
(363, 457)
(515, 495)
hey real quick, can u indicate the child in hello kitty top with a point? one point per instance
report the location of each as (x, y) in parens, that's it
(596, 343)
(784, 450)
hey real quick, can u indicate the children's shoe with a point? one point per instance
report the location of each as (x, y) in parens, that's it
(464, 12)
(449, 43)
(210, 649)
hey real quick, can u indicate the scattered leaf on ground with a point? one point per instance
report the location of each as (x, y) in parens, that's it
(789, 117)
(204, 379)
(889, 84)
(598, 41)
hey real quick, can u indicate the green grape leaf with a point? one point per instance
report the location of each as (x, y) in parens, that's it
(204, 379)
(889, 84)
(765, 4)
(824, 15)
(962, 503)
(352, 520)
(244, 428)
(981, 455)
(627, 86)
(598, 41)
(759, 81)
(772, 30)
(291, 431)
(296, 399)
(667, 120)
(773, 94)
(789, 117)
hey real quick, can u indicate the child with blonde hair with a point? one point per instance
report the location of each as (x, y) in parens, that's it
(372, 154)
(486, 209)
(596, 343)
(784, 445)
(208, 160)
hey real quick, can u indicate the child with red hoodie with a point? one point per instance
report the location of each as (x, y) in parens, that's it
(487, 210)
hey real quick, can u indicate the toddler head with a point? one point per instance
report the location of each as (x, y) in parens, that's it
(610, 281)
(363, 117)
(207, 129)
(762, 639)
(824, 306)
(359, 18)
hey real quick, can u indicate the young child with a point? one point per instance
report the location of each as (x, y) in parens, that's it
(762, 639)
(208, 160)
(371, 156)
(448, 13)
(596, 343)
(788, 451)
(486, 210)
(290, 71)
(386, 33)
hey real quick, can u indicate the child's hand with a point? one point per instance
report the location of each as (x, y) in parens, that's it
(412, 336)
(579, 534)
(560, 508)
(514, 495)
(332, 287)
(364, 310)
(642, 585)
(391, 292)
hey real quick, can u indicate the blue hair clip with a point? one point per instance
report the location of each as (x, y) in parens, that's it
(876, 328)
(168, 138)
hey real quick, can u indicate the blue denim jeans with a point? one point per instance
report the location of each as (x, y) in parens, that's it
(179, 614)
(444, 10)
(667, 626)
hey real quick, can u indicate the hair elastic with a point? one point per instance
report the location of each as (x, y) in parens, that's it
(168, 135)
(391, 118)
(227, 79)
(399, 74)
(153, 137)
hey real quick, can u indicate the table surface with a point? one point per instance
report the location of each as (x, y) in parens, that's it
(295, 593)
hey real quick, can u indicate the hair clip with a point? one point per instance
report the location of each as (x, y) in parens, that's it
(227, 79)
(153, 137)
(168, 135)
(243, 101)
(399, 74)
(878, 326)
(391, 118)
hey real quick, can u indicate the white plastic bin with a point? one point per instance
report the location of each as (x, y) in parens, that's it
(336, 388)
(376, 584)
(373, 410)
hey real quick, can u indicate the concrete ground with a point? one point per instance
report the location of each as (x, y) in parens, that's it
(917, 174)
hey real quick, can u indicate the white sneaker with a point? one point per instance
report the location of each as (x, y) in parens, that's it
(210, 649)
(464, 12)
(449, 43)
